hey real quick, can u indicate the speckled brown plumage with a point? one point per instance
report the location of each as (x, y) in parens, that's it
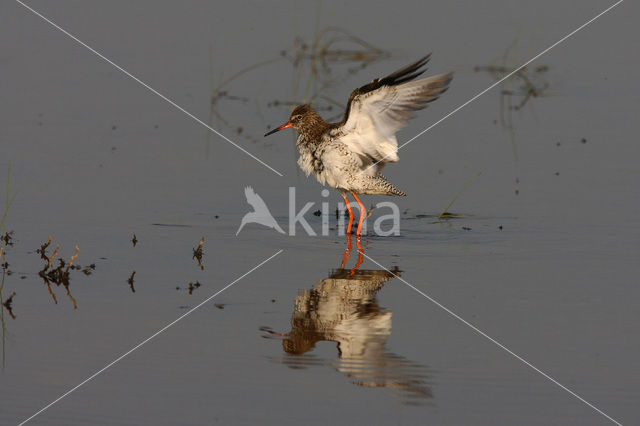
(350, 154)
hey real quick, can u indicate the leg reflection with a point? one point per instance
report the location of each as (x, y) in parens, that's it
(347, 252)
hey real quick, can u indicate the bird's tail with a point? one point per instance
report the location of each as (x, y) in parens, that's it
(381, 186)
(395, 191)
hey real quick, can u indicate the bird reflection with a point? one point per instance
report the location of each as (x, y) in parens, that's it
(342, 308)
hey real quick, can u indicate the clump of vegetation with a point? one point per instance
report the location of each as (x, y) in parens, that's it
(60, 275)
(517, 91)
(43, 249)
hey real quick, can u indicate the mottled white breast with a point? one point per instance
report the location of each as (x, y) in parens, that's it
(334, 164)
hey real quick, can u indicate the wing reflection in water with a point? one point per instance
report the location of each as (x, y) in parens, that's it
(342, 308)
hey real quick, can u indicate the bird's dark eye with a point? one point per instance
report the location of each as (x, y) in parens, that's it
(298, 117)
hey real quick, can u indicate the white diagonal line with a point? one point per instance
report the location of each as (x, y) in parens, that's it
(502, 79)
(145, 85)
(148, 339)
(500, 345)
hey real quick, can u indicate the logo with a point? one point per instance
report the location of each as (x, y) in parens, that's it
(260, 213)
(384, 225)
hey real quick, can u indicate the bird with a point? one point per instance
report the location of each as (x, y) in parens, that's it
(261, 213)
(343, 309)
(350, 155)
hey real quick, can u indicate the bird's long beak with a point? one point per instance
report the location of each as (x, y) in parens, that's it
(277, 129)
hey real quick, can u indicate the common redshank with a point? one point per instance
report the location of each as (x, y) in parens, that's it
(350, 155)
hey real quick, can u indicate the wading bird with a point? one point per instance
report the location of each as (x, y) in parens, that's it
(350, 155)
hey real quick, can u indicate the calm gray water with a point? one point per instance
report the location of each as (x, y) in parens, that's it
(544, 257)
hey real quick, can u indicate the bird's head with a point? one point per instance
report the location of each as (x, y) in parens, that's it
(303, 118)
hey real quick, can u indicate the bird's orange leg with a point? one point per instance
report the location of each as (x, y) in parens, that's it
(347, 251)
(346, 203)
(362, 213)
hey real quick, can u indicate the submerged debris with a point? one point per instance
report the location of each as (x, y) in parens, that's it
(448, 215)
(445, 215)
(193, 286)
(43, 249)
(7, 238)
(8, 304)
(197, 253)
(190, 287)
(87, 270)
(130, 281)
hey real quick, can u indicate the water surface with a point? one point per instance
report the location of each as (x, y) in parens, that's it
(543, 258)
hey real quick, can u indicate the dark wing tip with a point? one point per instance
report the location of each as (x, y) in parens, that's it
(400, 76)
(408, 77)
(409, 68)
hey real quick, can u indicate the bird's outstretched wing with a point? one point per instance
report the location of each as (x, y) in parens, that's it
(376, 111)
